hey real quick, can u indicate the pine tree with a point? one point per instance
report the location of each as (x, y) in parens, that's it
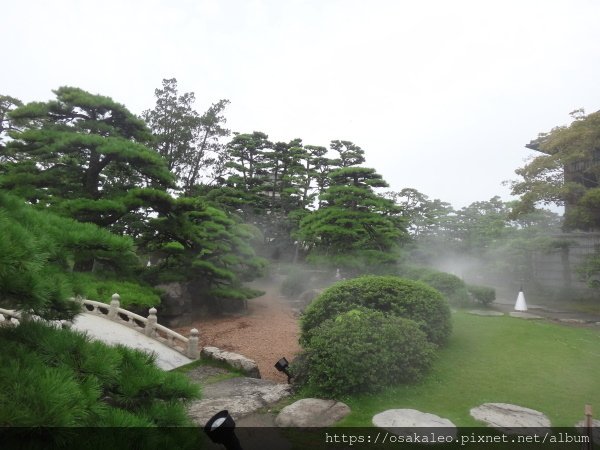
(354, 228)
(82, 153)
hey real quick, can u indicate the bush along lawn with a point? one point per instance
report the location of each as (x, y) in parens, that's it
(366, 333)
(540, 365)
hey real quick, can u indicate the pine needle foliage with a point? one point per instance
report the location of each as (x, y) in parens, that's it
(58, 377)
(38, 252)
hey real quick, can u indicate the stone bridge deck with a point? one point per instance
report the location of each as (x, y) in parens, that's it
(113, 333)
(115, 325)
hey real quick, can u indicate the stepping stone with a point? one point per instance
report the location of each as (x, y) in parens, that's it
(595, 430)
(240, 396)
(574, 321)
(410, 422)
(512, 419)
(312, 412)
(482, 312)
(524, 315)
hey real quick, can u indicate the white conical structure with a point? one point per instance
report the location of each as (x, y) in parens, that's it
(521, 305)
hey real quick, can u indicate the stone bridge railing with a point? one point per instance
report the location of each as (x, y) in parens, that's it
(146, 325)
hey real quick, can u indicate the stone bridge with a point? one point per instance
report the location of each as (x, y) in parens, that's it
(115, 325)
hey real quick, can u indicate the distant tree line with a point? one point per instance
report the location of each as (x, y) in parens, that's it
(202, 203)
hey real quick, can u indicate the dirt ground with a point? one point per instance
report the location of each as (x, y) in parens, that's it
(267, 331)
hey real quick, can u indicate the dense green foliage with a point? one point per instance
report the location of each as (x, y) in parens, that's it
(81, 153)
(101, 288)
(482, 294)
(452, 287)
(198, 242)
(354, 228)
(87, 157)
(364, 350)
(38, 251)
(566, 172)
(59, 378)
(391, 295)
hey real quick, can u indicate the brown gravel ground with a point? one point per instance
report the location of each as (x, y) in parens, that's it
(267, 331)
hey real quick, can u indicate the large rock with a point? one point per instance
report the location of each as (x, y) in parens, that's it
(240, 396)
(312, 412)
(182, 303)
(512, 419)
(410, 422)
(175, 308)
(239, 362)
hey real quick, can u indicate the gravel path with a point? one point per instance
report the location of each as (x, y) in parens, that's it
(266, 332)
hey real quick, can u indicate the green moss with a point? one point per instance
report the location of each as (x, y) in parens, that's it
(96, 288)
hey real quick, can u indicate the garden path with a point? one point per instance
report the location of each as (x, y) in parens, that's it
(267, 331)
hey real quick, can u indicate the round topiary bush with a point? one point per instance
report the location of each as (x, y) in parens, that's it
(364, 350)
(451, 286)
(482, 294)
(391, 295)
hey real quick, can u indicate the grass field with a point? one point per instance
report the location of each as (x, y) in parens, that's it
(548, 367)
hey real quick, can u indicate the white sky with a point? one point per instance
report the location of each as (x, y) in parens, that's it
(442, 95)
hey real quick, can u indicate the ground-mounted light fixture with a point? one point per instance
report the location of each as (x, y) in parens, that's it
(282, 365)
(221, 430)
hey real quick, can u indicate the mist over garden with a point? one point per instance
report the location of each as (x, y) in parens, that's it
(95, 199)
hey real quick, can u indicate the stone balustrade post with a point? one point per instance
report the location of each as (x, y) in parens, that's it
(192, 351)
(150, 329)
(115, 304)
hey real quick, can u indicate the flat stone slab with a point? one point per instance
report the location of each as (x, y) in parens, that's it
(483, 312)
(512, 419)
(312, 412)
(240, 396)
(408, 422)
(574, 321)
(201, 374)
(235, 360)
(524, 315)
(595, 430)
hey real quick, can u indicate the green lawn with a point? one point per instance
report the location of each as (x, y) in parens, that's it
(552, 368)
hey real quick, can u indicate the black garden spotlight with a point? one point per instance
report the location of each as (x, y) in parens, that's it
(282, 365)
(221, 429)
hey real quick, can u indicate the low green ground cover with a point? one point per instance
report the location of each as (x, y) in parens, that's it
(232, 372)
(548, 367)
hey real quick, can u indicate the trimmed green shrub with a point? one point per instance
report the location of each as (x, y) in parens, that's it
(40, 250)
(391, 295)
(452, 287)
(364, 350)
(415, 272)
(482, 294)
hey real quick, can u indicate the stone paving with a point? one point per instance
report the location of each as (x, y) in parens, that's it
(241, 396)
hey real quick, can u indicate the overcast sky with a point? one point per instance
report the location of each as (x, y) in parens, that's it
(442, 95)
